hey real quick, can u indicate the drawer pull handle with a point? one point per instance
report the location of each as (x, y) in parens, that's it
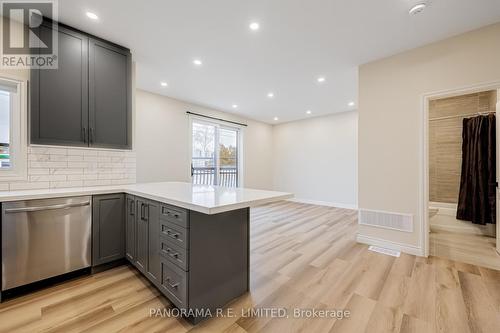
(171, 234)
(173, 255)
(169, 213)
(172, 285)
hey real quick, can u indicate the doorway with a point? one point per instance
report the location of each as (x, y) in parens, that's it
(461, 200)
(215, 153)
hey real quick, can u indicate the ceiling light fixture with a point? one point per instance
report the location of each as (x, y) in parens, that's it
(164, 84)
(197, 62)
(254, 26)
(270, 95)
(321, 79)
(92, 16)
(308, 111)
(235, 106)
(351, 104)
(276, 118)
(417, 9)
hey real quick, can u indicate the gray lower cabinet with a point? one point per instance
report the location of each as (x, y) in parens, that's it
(108, 228)
(153, 269)
(142, 237)
(130, 228)
(197, 261)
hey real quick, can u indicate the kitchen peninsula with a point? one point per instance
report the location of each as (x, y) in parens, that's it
(190, 241)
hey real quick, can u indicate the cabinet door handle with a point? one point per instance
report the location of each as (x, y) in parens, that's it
(142, 211)
(91, 135)
(132, 205)
(84, 134)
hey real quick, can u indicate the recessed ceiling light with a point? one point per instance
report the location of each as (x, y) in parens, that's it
(164, 84)
(276, 118)
(351, 104)
(92, 16)
(270, 95)
(235, 106)
(197, 62)
(321, 79)
(308, 111)
(417, 9)
(254, 26)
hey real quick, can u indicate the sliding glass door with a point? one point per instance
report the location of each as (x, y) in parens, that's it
(228, 157)
(215, 149)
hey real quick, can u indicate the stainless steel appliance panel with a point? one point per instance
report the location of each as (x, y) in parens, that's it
(44, 238)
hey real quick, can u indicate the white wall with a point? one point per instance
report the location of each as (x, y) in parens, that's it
(58, 166)
(391, 94)
(162, 142)
(316, 159)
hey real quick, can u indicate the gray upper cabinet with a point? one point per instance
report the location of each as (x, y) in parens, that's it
(59, 97)
(87, 101)
(110, 97)
(108, 228)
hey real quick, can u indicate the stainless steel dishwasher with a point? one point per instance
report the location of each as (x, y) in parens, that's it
(44, 238)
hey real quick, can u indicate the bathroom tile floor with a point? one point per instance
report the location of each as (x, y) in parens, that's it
(472, 249)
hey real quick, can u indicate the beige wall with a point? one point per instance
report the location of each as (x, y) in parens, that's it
(445, 141)
(390, 118)
(316, 159)
(162, 142)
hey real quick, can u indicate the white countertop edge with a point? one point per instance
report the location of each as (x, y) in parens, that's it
(253, 203)
(9, 196)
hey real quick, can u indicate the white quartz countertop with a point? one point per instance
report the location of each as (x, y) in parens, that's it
(201, 198)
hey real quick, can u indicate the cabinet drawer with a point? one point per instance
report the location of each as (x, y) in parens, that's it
(172, 231)
(174, 283)
(176, 215)
(174, 253)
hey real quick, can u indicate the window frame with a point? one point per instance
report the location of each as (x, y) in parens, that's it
(18, 147)
(218, 124)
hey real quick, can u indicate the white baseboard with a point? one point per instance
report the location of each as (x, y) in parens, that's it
(435, 204)
(324, 203)
(444, 208)
(409, 249)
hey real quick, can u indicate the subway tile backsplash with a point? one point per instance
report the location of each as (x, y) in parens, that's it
(50, 167)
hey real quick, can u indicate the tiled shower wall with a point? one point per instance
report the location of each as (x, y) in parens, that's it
(51, 167)
(445, 141)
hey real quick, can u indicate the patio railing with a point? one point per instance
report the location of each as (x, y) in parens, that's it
(228, 176)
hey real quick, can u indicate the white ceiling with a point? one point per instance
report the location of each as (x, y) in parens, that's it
(298, 41)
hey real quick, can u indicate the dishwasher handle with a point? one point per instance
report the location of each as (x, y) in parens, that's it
(36, 209)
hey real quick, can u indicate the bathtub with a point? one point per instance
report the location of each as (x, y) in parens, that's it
(443, 218)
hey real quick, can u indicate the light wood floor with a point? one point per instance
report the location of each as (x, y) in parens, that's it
(302, 256)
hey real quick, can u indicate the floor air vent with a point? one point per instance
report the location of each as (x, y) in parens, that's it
(382, 250)
(400, 222)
